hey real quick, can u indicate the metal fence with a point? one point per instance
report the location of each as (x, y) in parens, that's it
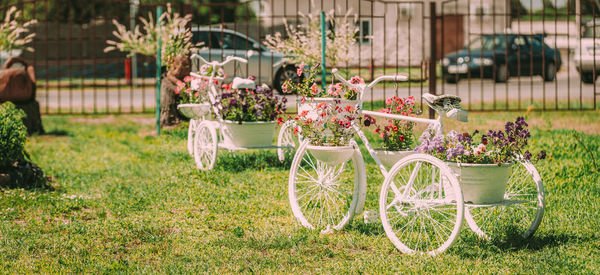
(394, 37)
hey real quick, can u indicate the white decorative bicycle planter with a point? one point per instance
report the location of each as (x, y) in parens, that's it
(389, 158)
(421, 203)
(205, 137)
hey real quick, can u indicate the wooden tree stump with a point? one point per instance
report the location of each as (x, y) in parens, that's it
(168, 99)
(17, 84)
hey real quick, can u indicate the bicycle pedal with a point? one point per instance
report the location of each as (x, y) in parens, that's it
(371, 217)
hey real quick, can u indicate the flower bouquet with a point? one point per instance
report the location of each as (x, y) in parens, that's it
(397, 135)
(192, 96)
(330, 133)
(483, 168)
(312, 95)
(249, 115)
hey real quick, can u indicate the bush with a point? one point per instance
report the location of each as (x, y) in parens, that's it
(13, 135)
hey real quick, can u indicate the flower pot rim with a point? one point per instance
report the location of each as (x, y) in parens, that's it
(192, 104)
(461, 164)
(381, 150)
(324, 147)
(249, 122)
(308, 99)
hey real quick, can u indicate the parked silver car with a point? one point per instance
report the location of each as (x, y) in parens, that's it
(267, 66)
(587, 56)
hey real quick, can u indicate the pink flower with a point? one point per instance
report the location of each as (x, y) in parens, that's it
(299, 69)
(285, 88)
(349, 108)
(196, 94)
(188, 90)
(356, 80)
(177, 89)
(315, 89)
(187, 79)
(180, 84)
(389, 101)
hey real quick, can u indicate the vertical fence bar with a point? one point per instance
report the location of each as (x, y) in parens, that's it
(323, 50)
(432, 53)
(158, 73)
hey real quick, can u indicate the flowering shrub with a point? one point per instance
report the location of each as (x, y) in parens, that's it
(495, 146)
(12, 30)
(176, 38)
(397, 134)
(332, 126)
(250, 105)
(303, 43)
(309, 88)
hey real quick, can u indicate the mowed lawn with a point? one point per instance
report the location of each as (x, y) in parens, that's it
(128, 201)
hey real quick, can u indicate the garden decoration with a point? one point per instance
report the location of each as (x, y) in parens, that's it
(316, 104)
(245, 114)
(421, 204)
(397, 135)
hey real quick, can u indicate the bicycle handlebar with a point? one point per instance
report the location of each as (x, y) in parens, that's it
(377, 80)
(216, 63)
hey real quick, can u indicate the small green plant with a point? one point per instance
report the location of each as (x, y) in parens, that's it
(13, 135)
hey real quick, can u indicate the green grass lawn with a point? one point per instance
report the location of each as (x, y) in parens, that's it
(128, 201)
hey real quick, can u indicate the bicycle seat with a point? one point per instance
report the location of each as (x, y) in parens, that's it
(443, 101)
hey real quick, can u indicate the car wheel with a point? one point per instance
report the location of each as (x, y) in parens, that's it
(588, 77)
(549, 72)
(286, 73)
(452, 78)
(501, 73)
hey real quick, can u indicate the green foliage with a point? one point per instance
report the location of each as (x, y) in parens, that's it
(13, 134)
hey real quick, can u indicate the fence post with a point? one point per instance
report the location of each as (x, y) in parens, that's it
(323, 50)
(432, 53)
(158, 72)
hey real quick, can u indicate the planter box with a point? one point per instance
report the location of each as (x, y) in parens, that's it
(332, 155)
(249, 134)
(389, 158)
(194, 110)
(310, 105)
(482, 183)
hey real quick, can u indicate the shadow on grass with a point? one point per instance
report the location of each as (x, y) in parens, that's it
(513, 241)
(58, 133)
(366, 229)
(26, 175)
(250, 160)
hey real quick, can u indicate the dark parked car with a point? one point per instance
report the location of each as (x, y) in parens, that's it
(499, 56)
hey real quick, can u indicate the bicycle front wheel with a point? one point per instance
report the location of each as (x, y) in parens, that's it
(325, 196)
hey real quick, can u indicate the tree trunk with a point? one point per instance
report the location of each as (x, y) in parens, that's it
(33, 121)
(168, 104)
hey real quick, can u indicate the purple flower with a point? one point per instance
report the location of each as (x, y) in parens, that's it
(527, 155)
(541, 155)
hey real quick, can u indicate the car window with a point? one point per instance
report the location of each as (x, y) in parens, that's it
(487, 43)
(230, 41)
(203, 37)
(521, 43)
(590, 31)
(536, 44)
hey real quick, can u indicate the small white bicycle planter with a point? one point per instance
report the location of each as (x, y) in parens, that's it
(421, 203)
(206, 136)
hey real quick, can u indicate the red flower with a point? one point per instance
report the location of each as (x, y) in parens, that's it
(305, 112)
(321, 105)
(349, 108)
(295, 130)
(280, 121)
(401, 138)
(187, 79)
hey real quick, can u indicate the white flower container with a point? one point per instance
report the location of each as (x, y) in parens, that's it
(482, 183)
(389, 158)
(248, 134)
(332, 155)
(311, 104)
(194, 110)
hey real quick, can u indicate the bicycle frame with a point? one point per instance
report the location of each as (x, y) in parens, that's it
(435, 123)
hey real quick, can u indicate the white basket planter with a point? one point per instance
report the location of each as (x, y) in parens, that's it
(194, 110)
(389, 158)
(332, 155)
(311, 104)
(248, 134)
(482, 183)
